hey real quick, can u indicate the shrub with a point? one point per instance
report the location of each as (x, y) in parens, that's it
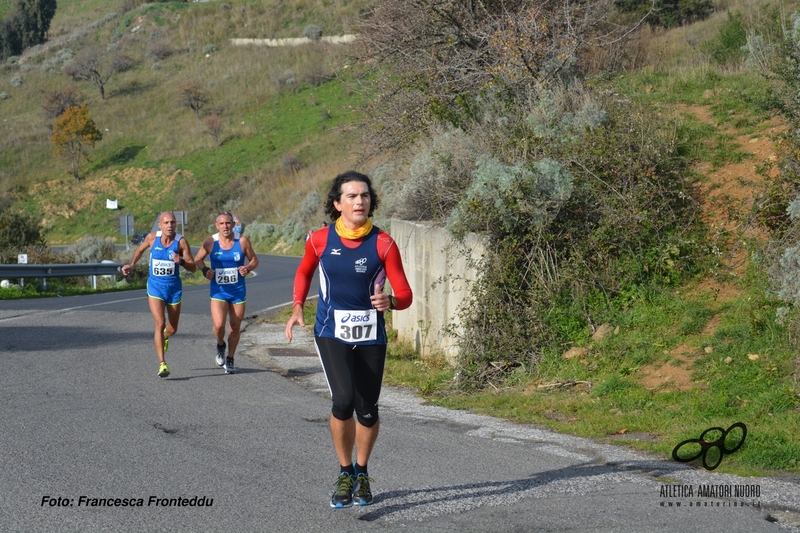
(260, 231)
(318, 75)
(57, 101)
(285, 78)
(726, 48)
(16, 81)
(18, 230)
(37, 255)
(160, 49)
(313, 32)
(581, 199)
(290, 163)
(438, 175)
(91, 249)
(209, 49)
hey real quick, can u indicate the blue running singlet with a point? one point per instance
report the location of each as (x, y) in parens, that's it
(228, 285)
(164, 279)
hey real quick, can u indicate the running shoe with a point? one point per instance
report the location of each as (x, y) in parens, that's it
(362, 495)
(343, 495)
(163, 370)
(221, 354)
(166, 342)
(229, 368)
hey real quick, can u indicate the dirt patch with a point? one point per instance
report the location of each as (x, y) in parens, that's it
(728, 192)
(726, 196)
(673, 374)
(64, 198)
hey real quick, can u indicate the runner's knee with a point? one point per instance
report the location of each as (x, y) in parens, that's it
(343, 408)
(369, 417)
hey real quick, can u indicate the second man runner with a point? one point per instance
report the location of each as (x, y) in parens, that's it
(231, 257)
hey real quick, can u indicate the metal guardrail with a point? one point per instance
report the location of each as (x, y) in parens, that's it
(21, 272)
(60, 271)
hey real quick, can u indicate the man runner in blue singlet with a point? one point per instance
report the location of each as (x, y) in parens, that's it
(169, 251)
(232, 257)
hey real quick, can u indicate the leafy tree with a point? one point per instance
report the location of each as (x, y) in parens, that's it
(73, 133)
(668, 13)
(37, 17)
(192, 96)
(25, 26)
(96, 66)
(18, 230)
(11, 35)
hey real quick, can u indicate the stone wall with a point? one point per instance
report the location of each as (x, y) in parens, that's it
(440, 278)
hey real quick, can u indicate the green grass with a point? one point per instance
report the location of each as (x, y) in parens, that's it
(762, 393)
(57, 288)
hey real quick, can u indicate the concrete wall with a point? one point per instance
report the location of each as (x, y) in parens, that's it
(440, 279)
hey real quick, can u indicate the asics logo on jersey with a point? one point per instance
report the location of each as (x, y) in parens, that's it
(349, 317)
(336, 251)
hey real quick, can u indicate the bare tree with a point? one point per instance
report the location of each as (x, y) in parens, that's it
(96, 66)
(441, 54)
(57, 101)
(213, 126)
(192, 96)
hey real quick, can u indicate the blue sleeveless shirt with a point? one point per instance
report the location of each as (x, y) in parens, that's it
(227, 284)
(163, 271)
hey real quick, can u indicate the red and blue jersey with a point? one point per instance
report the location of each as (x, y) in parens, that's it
(349, 271)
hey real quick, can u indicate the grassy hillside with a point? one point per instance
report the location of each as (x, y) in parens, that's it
(282, 113)
(706, 352)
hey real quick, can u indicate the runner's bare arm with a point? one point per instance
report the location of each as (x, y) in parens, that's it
(137, 254)
(247, 248)
(186, 259)
(201, 254)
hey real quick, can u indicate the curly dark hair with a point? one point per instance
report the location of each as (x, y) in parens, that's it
(335, 193)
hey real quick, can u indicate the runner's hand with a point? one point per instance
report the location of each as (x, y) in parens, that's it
(296, 318)
(380, 300)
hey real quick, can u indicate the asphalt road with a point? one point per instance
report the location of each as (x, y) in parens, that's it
(86, 426)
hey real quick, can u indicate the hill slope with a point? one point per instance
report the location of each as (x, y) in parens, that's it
(282, 115)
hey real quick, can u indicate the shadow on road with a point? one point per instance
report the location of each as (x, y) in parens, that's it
(409, 499)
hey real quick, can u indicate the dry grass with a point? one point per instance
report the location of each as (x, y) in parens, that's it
(144, 125)
(679, 50)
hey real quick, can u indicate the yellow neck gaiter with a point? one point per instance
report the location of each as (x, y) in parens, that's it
(353, 234)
